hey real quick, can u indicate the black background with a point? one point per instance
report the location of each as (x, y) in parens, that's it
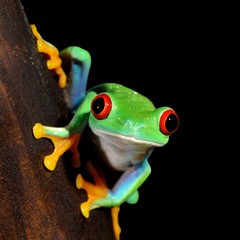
(156, 50)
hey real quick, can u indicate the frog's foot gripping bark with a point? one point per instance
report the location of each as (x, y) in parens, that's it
(61, 144)
(54, 62)
(95, 192)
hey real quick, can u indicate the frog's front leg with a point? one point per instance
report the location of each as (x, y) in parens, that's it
(98, 190)
(66, 138)
(62, 141)
(125, 190)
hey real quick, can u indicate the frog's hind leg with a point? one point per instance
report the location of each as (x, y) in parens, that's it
(54, 62)
(79, 61)
(116, 227)
(62, 141)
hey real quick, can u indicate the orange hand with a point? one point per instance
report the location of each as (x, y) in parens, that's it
(97, 191)
(61, 146)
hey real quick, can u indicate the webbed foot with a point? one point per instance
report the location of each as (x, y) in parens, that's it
(54, 63)
(97, 192)
(61, 145)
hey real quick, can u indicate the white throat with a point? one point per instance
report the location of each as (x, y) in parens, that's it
(119, 151)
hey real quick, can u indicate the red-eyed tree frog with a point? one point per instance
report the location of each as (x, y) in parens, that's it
(125, 126)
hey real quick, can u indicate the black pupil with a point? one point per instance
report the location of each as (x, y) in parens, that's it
(98, 105)
(171, 122)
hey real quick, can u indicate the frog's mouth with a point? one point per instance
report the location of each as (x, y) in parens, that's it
(121, 152)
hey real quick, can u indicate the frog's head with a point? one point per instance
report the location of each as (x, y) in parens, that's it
(132, 115)
(128, 126)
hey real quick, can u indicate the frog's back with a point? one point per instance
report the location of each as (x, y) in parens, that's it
(125, 96)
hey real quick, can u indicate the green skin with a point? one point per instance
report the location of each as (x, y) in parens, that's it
(133, 117)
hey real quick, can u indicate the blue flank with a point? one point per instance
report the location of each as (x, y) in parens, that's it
(79, 85)
(81, 62)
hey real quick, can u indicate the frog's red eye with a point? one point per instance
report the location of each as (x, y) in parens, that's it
(101, 106)
(169, 122)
